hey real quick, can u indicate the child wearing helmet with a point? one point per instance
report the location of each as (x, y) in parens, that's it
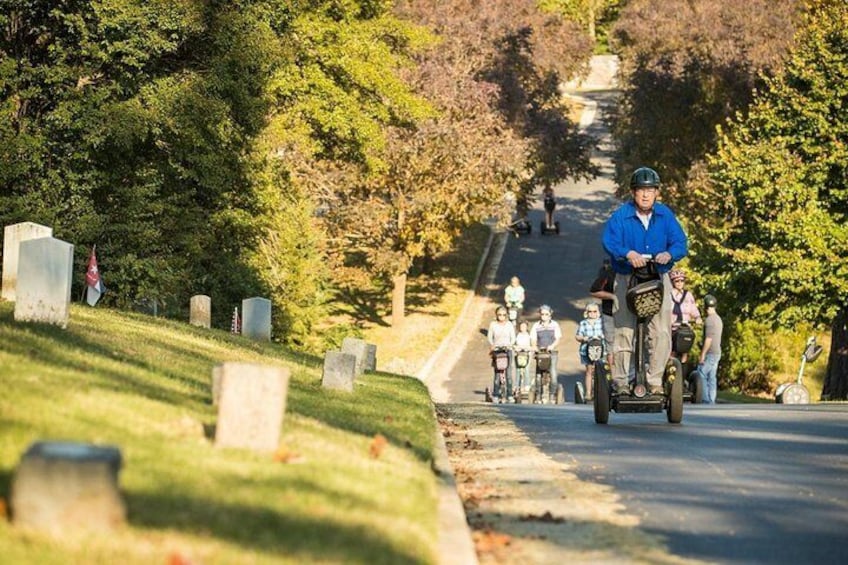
(590, 327)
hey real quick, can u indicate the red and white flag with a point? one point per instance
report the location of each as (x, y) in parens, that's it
(94, 285)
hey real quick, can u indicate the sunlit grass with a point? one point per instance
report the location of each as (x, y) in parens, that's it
(144, 385)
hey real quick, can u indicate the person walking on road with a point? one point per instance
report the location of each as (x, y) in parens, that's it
(711, 349)
(642, 226)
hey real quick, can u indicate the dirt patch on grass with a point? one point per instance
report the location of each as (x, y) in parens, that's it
(524, 507)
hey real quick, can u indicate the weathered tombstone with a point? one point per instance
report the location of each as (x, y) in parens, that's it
(13, 235)
(339, 371)
(62, 486)
(256, 318)
(370, 357)
(251, 402)
(200, 311)
(45, 271)
(359, 349)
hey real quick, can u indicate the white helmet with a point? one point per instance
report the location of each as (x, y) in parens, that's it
(545, 308)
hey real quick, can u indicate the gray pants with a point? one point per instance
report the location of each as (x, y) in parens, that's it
(659, 336)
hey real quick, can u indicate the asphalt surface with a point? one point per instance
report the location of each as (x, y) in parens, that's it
(736, 483)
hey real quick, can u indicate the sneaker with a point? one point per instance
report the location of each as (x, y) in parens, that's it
(622, 390)
(655, 389)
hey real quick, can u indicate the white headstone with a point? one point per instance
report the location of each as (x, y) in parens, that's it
(45, 271)
(339, 371)
(61, 486)
(251, 404)
(359, 349)
(370, 357)
(13, 235)
(200, 311)
(256, 318)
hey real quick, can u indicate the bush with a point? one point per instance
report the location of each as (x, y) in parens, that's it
(751, 359)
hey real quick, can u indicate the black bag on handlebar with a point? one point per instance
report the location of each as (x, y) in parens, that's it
(645, 291)
(682, 339)
(543, 361)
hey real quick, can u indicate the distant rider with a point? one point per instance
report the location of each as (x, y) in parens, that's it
(502, 334)
(545, 335)
(514, 295)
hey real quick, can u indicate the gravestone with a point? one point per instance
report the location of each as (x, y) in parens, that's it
(200, 311)
(13, 235)
(251, 401)
(256, 318)
(339, 371)
(359, 349)
(61, 486)
(45, 270)
(370, 357)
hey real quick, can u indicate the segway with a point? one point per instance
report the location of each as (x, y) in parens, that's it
(595, 352)
(522, 226)
(522, 375)
(682, 339)
(797, 393)
(513, 309)
(500, 362)
(545, 391)
(644, 299)
(548, 225)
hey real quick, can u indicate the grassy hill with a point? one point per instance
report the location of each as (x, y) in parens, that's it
(144, 385)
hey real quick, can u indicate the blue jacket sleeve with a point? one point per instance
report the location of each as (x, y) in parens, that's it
(677, 244)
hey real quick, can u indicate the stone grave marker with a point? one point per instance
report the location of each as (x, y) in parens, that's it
(370, 357)
(200, 311)
(60, 486)
(13, 235)
(45, 271)
(339, 371)
(256, 318)
(359, 349)
(251, 401)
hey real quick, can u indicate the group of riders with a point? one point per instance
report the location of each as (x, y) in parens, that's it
(640, 232)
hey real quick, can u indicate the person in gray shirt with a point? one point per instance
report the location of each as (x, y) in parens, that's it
(710, 349)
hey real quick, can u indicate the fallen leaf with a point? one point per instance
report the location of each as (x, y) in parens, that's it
(388, 419)
(177, 558)
(284, 455)
(378, 444)
(488, 540)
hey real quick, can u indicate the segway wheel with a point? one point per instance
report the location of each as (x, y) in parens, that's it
(488, 395)
(556, 227)
(517, 395)
(697, 388)
(579, 396)
(529, 228)
(796, 393)
(602, 394)
(560, 394)
(542, 228)
(674, 389)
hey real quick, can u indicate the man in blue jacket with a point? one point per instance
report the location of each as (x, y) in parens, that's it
(642, 226)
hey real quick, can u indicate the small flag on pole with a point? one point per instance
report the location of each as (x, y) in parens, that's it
(235, 326)
(94, 285)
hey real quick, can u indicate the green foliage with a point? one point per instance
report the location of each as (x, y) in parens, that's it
(685, 68)
(750, 358)
(779, 241)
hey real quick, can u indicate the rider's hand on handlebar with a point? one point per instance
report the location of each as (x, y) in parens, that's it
(635, 259)
(663, 258)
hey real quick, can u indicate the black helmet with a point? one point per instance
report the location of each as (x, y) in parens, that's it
(644, 177)
(710, 301)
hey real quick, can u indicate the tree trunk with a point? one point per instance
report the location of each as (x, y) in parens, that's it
(398, 300)
(836, 379)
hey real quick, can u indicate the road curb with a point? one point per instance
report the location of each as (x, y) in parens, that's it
(455, 545)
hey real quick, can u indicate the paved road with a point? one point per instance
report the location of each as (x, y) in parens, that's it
(732, 484)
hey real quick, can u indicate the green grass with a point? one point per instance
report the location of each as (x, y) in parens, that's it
(144, 385)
